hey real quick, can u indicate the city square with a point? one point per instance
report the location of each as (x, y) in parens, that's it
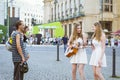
(43, 64)
(48, 27)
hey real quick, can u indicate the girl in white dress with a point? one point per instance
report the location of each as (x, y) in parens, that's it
(80, 59)
(98, 58)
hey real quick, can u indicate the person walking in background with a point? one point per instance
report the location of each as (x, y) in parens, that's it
(25, 40)
(31, 40)
(65, 41)
(80, 58)
(59, 40)
(18, 50)
(112, 40)
(98, 57)
(36, 40)
(118, 42)
(107, 41)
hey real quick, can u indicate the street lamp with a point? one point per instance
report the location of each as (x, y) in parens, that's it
(102, 9)
(7, 19)
(55, 2)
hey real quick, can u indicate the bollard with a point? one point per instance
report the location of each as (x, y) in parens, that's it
(114, 63)
(58, 52)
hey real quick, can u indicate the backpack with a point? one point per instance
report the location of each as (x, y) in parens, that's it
(9, 42)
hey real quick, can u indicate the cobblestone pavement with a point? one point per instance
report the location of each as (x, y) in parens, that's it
(43, 64)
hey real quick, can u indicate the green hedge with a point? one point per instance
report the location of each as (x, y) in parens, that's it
(4, 30)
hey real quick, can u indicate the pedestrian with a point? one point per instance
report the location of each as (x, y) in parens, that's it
(36, 40)
(25, 40)
(98, 57)
(54, 41)
(112, 40)
(59, 40)
(118, 42)
(107, 41)
(80, 58)
(65, 41)
(31, 40)
(18, 50)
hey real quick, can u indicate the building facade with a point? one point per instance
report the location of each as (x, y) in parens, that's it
(84, 12)
(2, 12)
(30, 13)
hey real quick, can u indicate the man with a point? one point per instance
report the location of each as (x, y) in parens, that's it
(31, 40)
(65, 41)
(18, 50)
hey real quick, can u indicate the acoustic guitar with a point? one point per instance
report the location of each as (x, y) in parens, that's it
(72, 51)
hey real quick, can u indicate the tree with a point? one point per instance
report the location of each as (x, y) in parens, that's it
(4, 30)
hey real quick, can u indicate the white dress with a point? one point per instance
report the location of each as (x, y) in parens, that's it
(80, 57)
(96, 54)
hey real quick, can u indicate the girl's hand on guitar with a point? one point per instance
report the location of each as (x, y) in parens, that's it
(92, 46)
(77, 45)
(70, 46)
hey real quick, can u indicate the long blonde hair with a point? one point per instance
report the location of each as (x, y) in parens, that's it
(74, 34)
(98, 33)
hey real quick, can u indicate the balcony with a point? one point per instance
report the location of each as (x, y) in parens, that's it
(62, 13)
(75, 9)
(75, 15)
(70, 9)
(69, 16)
(62, 17)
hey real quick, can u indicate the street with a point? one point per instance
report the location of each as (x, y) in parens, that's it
(43, 64)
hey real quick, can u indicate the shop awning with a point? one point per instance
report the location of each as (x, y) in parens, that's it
(116, 33)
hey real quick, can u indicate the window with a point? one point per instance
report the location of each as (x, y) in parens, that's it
(106, 1)
(28, 20)
(52, 14)
(106, 25)
(62, 9)
(75, 8)
(111, 1)
(65, 29)
(70, 7)
(70, 4)
(58, 11)
(25, 19)
(70, 29)
(66, 7)
(9, 11)
(13, 11)
(107, 6)
(111, 9)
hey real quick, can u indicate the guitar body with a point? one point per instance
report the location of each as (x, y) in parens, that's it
(71, 52)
